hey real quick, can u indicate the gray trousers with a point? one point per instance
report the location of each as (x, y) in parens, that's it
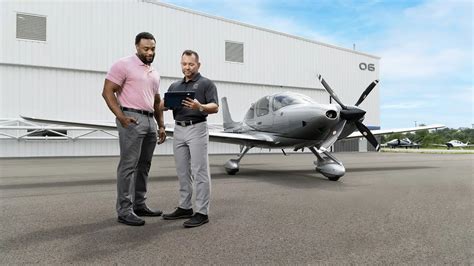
(192, 165)
(137, 143)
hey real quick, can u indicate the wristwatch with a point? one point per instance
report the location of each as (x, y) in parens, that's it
(201, 109)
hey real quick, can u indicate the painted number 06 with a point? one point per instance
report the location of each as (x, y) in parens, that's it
(369, 67)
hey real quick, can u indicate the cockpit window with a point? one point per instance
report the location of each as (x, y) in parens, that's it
(263, 106)
(282, 100)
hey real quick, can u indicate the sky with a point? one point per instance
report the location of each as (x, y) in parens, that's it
(426, 66)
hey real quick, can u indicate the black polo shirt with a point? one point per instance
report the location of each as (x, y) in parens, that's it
(205, 92)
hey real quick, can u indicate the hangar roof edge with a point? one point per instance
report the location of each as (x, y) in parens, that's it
(156, 2)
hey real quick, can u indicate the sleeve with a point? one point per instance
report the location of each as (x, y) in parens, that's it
(211, 93)
(170, 88)
(117, 73)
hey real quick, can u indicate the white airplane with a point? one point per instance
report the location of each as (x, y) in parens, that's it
(288, 120)
(455, 144)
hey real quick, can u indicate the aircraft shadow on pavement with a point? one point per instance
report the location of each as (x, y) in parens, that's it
(304, 178)
(290, 177)
(301, 179)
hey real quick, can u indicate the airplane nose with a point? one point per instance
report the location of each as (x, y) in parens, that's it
(352, 113)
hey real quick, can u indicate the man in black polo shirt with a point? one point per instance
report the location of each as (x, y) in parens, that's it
(191, 137)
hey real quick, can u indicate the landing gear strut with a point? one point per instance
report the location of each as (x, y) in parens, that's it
(232, 165)
(329, 166)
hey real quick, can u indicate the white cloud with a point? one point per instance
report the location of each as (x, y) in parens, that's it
(428, 41)
(426, 50)
(404, 105)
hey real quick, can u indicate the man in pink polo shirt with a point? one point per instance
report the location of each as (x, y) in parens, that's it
(131, 91)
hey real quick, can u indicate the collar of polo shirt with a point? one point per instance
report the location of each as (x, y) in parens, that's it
(194, 79)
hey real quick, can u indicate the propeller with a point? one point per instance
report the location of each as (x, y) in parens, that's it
(331, 92)
(334, 135)
(366, 92)
(352, 113)
(368, 135)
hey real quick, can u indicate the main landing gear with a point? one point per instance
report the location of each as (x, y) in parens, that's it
(232, 165)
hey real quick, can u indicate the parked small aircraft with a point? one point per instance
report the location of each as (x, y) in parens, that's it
(401, 143)
(288, 120)
(455, 144)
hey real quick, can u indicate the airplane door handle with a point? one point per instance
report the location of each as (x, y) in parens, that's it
(259, 123)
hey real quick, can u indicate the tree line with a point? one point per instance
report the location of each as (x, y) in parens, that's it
(439, 136)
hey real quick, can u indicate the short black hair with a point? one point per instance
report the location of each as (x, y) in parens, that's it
(191, 52)
(144, 35)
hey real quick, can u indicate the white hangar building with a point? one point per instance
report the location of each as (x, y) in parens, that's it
(55, 54)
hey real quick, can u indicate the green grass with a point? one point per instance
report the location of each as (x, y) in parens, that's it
(429, 151)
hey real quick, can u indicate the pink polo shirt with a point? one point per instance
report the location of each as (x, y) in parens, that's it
(140, 83)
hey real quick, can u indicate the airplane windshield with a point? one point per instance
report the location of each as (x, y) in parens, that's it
(282, 100)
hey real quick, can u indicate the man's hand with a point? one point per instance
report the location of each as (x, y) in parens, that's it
(125, 121)
(161, 135)
(191, 104)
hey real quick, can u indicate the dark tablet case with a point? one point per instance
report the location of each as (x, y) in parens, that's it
(174, 98)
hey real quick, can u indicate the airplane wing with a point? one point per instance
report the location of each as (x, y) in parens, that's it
(241, 138)
(220, 136)
(216, 136)
(396, 130)
(99, 125)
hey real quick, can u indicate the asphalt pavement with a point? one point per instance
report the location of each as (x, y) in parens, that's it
(389, 208)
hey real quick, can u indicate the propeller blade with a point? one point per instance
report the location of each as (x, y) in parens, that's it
(337, 130)
(368, 135)
(331, 92)
(366, 92)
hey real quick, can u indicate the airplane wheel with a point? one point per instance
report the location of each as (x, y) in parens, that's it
(231, 171)
(333, 178)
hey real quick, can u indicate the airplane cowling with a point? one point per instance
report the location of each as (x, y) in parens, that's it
(332, 170)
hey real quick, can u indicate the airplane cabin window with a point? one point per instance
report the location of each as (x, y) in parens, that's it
(277, 102)
(280, 101)
(263, 106)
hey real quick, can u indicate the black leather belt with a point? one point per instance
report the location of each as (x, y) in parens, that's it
(148, 113)
(189, 122)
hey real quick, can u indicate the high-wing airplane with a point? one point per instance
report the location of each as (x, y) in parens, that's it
(288, 120)
(455, 144)
(402, 143)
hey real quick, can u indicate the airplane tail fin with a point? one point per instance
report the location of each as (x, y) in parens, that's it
(228, 122)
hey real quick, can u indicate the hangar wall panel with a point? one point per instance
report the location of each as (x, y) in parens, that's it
(62, 77)
(76, 95)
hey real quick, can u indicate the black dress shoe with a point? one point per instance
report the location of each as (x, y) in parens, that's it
(197, 220)
(145, 211)
(131, 219)
(178, 214)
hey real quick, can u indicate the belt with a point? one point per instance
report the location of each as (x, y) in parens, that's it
(189, 122)
(148, 113)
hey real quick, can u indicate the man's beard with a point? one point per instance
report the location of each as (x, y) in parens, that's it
(144, 60)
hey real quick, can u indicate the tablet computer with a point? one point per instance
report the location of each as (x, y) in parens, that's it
(174, 98)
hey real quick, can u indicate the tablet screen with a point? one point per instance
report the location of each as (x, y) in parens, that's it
(174, 98)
